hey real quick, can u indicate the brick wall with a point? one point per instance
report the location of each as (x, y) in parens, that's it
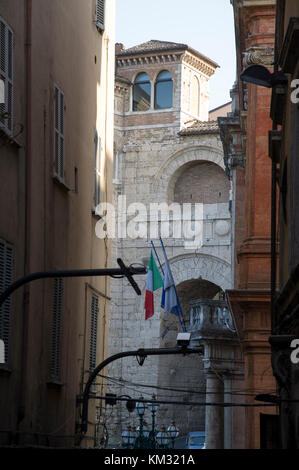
(202, 182)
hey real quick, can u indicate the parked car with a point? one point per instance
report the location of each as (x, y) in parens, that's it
(196, 440)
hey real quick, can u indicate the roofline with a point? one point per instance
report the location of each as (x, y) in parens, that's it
(204, 57)
(221, 106)
(184, 47)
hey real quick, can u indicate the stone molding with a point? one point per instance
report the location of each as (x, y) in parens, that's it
(147, 60)
(198, 64)
(202, 266)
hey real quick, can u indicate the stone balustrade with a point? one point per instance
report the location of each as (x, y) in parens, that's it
(210, 318)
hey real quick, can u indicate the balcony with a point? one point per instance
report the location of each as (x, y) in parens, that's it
(211, 319)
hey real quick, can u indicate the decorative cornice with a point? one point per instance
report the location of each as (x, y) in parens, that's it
(255, 3)
(259, 55)
(199, 64)
(162, 58)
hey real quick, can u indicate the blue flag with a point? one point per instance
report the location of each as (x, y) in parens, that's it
(169, 301)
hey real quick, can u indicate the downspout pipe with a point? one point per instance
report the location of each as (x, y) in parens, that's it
(27, 225)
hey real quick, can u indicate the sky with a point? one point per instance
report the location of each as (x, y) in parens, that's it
(205, 25)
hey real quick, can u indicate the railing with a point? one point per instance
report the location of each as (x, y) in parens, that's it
(211, 317)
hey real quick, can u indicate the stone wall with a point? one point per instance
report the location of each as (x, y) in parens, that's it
(153, 157)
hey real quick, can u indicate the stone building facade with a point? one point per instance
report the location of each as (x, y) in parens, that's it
(171, 155)
(245, 141)
(57, 63)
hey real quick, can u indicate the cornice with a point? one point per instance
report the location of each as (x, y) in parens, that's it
(255, 3)
(151, 59)
(199, 64)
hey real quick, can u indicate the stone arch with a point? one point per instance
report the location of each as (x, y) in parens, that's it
(185, 267)
(174, 165)
(194, 266)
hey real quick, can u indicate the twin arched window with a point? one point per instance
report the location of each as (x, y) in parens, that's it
(163, 91)
(142, 92)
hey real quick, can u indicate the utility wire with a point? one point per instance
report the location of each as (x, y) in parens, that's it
(185, 403)
(119, 382)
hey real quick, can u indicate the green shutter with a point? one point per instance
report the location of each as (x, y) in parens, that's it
(100, 14)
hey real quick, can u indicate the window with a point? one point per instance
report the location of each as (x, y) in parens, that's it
(116, 162)
(6, 278)
(6, 75)
(55, 362)
(163, 90)
(59, 133)
(142, 93)
(195, 96)
(97, 168)
(93, 332)
(100, 14)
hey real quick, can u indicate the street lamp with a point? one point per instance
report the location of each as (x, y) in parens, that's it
(163, 438)
(140, 408)
(154, 408)
(128, 437)
(260, 75)
(173, 432)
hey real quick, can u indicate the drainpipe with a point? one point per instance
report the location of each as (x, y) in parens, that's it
(28, 160)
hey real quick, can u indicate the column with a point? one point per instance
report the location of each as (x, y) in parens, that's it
(228, 413)
(214, 414)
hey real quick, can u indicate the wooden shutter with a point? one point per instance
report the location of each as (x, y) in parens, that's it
(6, 74)
(59, 133)
(6, 278)
(93, 332)
(100, 14)
(55, 363)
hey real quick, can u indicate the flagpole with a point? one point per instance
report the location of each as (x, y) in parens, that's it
(181, 316)
(158, 259)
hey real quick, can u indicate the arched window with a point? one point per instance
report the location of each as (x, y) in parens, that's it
(163, 90)
(142, 93)
(195, 97)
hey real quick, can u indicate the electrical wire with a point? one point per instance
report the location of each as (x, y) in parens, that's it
(121, 382)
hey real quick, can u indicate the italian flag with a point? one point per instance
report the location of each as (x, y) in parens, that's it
(153, 282)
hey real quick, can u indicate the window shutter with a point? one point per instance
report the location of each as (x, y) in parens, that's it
(6, 74)
(55, 363)
(6, 278)
(100, 14)
(59, 132)
(93, 332)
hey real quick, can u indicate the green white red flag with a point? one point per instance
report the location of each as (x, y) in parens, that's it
(153, 282)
